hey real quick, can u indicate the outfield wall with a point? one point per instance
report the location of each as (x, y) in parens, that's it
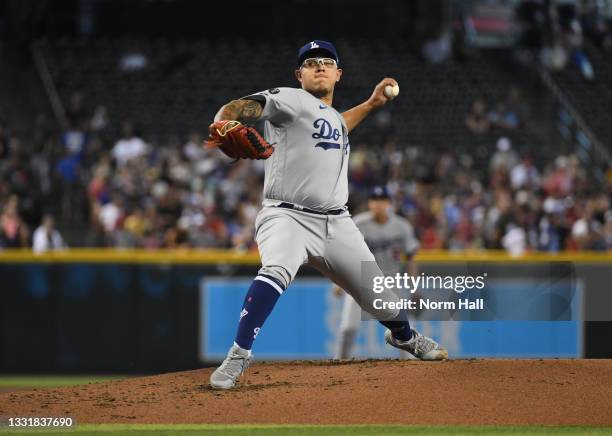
(137, 311)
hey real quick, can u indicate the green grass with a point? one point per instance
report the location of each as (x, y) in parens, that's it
(51, 381)
(326, 430)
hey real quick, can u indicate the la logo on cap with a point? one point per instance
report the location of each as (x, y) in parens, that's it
(314, 45)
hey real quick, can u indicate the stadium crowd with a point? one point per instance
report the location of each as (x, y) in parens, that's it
(118, 190)
(556, 32)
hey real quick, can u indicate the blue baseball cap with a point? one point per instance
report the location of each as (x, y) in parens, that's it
(379, 193)
(318, 48)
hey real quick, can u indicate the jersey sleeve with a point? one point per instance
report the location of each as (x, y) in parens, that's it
(280, 105)
(411, 243)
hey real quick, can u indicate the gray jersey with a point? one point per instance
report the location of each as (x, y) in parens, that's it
(388, 241)
(310, 161)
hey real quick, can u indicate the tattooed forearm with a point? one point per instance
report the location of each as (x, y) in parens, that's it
(251, 110)
(228, 112)
(241, 110)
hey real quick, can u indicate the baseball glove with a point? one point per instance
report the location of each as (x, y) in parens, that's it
(238, 141)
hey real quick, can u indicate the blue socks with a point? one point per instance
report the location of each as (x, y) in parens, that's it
(399, 329)
(260, 300)
(257, 306)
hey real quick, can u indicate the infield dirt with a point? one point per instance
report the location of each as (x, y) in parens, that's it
(559, 392)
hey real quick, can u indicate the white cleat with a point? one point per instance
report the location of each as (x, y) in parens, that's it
(419, 346)
(235, 364)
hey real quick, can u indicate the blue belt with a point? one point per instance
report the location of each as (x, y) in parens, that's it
(305, 209)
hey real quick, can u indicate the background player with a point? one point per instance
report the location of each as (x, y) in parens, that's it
(304, 218)
(390, 238)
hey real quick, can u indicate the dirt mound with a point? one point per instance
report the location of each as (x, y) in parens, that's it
(12, 389)
(356, 392)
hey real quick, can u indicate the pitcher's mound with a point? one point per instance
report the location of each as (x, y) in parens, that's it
(560, 392)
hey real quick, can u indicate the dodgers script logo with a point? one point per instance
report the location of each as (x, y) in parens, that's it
(326, 131)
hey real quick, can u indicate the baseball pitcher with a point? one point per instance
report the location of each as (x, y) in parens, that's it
(304, 219)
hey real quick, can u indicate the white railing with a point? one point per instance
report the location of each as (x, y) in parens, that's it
(602, 152)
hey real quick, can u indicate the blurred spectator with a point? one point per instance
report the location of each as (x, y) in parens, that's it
(110, 213)
(496, 220)
(74, 140)
(439, 49)
(502, 117)
(129, 147)
(504, 156)
(517, 105)
(525, 175)
(594, 23)
(194, 148)
(554, 57)
(558, 182)
(68, 172)
(553, 230)
(176, 237)
(137, 224)
(477, 121)
(14, 232)
(169, 206)
(515, 240)
(574, 41)
(46, 237)
(98, 189)
(588, 231)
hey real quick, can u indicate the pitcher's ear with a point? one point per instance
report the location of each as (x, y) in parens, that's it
(298, 75)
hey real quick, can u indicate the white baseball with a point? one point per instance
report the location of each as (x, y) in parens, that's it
(391, 91)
